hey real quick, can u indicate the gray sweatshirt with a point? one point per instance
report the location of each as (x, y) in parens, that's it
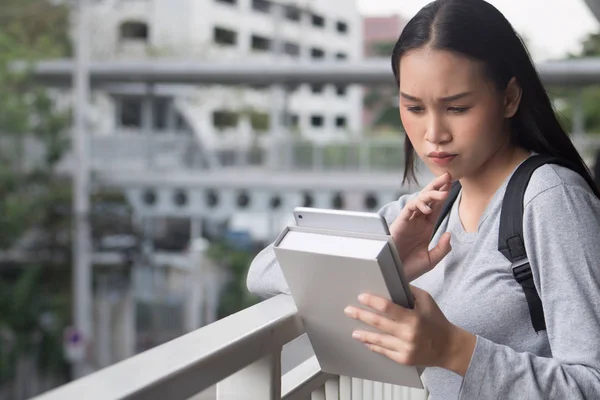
(474, 287)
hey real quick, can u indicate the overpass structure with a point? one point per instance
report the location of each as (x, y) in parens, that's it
(275, 174)
(594, 6)
(572, 72)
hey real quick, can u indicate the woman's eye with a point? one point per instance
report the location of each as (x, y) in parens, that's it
(415, 109)
(458, 110)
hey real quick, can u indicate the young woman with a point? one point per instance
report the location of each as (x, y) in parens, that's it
(474, 109)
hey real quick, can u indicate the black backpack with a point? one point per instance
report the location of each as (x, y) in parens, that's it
(510, 237)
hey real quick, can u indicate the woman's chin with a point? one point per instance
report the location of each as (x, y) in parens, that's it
(438, 171)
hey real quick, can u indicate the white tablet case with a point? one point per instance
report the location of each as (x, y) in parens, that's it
(325, 272)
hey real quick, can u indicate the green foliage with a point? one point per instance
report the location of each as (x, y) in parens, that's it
(590, 96)
(389, 118)
(224, 119)
(590, 47)
(31, 321)
(235, 297)
(33, 137)
(259, 121)
(383, 49)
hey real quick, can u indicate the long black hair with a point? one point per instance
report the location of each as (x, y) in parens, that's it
(476, 29)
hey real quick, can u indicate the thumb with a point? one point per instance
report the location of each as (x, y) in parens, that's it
(419, 294)
(440, 250)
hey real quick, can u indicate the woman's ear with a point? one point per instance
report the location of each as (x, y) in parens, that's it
(512, 98)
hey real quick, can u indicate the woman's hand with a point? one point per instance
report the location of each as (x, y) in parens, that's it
(413, 228)
(420, 337)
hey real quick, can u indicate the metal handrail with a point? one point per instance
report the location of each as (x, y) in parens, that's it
(241, 354)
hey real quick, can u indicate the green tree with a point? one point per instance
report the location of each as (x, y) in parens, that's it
(235, 296)
(564, 98)
(32, 198)
(381, 100)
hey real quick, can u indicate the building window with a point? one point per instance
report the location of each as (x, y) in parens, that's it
(342, 27)
(224, 119)
(181, 124)
(134, 31)
(291, 49)
(317, 53)
(130, 112)
(293, 120)
(317, 121)
(340, 122)
(231, 2)
(317, 88)
(292, 13)
(341, 56)
(341, 90)
(225, 36)
(160, 109)
(318, 21)
(260, 43)
(261, 6)
(259, 121)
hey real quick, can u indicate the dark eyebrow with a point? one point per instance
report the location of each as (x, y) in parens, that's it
(443, 99)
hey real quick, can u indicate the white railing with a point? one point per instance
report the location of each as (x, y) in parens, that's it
(136, 151)
(241, 354)
(178, 151)
(132, 151)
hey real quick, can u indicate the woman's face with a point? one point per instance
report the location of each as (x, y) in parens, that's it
(453, 114)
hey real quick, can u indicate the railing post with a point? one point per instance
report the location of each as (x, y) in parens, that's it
(318, 394)
(368, 390)
(357, 389)
(345, 388)
(259, 380)
(388, 391)
(377, 391)
(332, 389)
(364, 149)
(318, 158)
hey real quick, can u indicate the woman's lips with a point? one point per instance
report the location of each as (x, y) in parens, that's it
(441, 158)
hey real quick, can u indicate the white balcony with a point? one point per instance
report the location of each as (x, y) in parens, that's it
(239, 355)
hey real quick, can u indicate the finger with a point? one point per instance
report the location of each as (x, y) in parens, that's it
(409, 211)
(383, 306)
(380, 322)
(379, 339)
(421, 296)
(440, 251)
(423, 207)
(391, 354)
(429, 200)
(446, 187)
(434, 200)
(433, 196)
(439, 182)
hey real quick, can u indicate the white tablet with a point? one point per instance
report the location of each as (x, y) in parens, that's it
(337, 220)
(326, 270)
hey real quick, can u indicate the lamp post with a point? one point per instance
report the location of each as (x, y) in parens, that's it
(82, 278)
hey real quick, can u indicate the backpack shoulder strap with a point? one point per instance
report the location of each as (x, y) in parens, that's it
(447, 206)
(510, 238)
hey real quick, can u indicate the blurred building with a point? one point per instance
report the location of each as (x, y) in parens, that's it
(380, 32)
(233, 30)
(379, 36)
(191, 128)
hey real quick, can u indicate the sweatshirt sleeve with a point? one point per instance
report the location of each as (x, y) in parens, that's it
(562, 237)
(265, 277)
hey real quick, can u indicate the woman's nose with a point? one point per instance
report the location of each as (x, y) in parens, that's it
(437, 131)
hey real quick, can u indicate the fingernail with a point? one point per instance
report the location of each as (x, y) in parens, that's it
(348, 311)
(362, 298)
(356, 335)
